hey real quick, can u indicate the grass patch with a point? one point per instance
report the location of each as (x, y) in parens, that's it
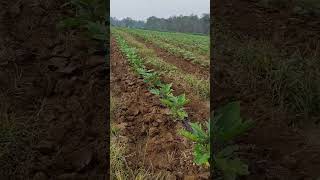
(291, 80)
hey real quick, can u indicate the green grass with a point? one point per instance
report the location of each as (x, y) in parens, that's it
(118, 152)
(290, 80)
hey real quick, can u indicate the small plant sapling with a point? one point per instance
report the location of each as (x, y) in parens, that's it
(200, 137)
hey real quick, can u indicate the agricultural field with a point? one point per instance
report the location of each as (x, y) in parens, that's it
(160, 113)
(53, 91)
(158, 98)
(268, 59)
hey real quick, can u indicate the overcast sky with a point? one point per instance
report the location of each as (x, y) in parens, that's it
(142, 9)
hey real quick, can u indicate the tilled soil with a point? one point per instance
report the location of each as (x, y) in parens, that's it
(151, 133)
(183, 64)
(273, 149)
(197, 108)
(53, 94)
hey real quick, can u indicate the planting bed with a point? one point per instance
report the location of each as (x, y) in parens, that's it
(152, 133)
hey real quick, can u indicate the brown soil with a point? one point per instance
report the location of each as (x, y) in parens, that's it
(151, 133)
(53, 93)
(197, 108)
(179, 62)
(273, 149)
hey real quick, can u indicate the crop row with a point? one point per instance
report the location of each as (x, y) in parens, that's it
(172, 49)
(174, 103)
(197, 85)
(195, 43)
(227, 123)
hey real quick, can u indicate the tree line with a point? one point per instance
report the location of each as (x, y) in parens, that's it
(185, 24)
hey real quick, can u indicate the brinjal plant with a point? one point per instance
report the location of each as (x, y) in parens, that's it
(227, 125)
(152, 78)
(90, 15)
(201, 138)
(164, 91)
(176, 105)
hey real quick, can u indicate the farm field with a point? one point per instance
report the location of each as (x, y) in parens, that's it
(268, 59)
(155, 93)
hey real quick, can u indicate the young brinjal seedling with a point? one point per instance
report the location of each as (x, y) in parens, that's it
(152, 78)
(90, 15)
(201, 138)
(227, 125)
(164, 90)
(175, 104)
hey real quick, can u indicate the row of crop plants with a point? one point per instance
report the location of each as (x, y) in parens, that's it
(198, 44)
(227, 123)
(172, 49)
(198, 86)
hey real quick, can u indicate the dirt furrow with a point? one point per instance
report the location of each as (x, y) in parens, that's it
(150, 132)
(184, 65)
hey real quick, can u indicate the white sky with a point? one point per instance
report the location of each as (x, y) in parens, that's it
(142, 9)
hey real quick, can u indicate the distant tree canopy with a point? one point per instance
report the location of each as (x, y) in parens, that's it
(186, 24)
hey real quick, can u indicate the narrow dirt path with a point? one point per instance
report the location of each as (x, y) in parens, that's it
(152, 135)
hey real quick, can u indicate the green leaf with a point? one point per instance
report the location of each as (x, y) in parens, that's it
(181, 101)
(199, 132)
(182, 114)
(227, 123)
(201, 155)
(188, 135)
(155, 91)
(166, 102)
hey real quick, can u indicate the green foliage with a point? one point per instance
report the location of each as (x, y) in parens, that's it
(90, 15)
(152, 78)
(97, 31)
(227, 125)
(180, 45)
(165, 90)
(200, 86)
(176, 105)
(200, 136)
(190, 24)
